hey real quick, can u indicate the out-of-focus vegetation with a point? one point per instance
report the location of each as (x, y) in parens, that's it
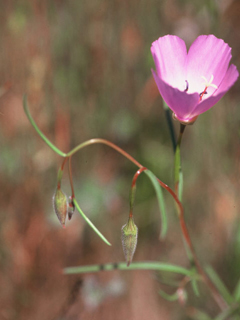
(86, 67)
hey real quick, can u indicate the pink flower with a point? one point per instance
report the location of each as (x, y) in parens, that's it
(192, 82)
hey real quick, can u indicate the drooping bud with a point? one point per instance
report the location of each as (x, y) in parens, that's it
(60, 205)
(129, 239)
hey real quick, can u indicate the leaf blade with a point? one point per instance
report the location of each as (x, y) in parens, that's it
(161, 203)
(89, 222)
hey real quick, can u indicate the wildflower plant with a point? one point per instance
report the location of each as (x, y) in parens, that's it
(190, 83)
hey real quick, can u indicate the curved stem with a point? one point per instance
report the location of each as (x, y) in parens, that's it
(106, 142)
(218, 298)
(177, 197)
(133, 189)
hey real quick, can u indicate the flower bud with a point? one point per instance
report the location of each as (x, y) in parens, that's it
(60, 205)
(129, 239)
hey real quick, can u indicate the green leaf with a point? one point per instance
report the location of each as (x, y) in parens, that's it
(145, 265)
(33, 123)
(236, 293)
(226, 314)
(178, 175)
(219, 284)
(161, 203)
(199, 315)
(89, 222)
(195, 287)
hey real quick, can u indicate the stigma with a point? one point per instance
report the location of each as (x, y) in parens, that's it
(207, 85)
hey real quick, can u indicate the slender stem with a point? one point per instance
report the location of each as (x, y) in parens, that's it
(177, 195)
(70, 176)
(145, 265)
(137, 174)
(170, 125)
(60, 173)
(177, 164)
(108, 143)
(218, 298)
(133, 189)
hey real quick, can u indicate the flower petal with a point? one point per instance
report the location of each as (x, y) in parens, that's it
(170, 54)
(180, 102)
(227, 82)
(207, 56)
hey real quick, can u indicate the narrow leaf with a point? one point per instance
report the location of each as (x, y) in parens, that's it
(33, 123)
(161, 203)
(145, 265)
(195, 287)
(219, 284)
(226, 314)
(199, 315)
(89, 222)
(236, 293)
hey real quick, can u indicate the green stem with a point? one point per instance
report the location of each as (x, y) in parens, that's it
(146, 265)
(168, 114)
(190, 250)
(177, 165)
(219, 299)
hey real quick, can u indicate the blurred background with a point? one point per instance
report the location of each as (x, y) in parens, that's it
(86, 67)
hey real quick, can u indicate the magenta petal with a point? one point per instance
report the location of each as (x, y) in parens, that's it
(180, 102)
(169, 54)
(207, 56)
(227, 82)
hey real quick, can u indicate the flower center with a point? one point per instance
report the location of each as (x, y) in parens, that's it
(207, 85)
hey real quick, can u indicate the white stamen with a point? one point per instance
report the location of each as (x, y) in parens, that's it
(209, 84)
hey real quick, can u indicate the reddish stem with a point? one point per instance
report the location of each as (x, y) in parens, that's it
(134, 180)
(60, 172)
(218, 298)
(137, 174)
(70, 176)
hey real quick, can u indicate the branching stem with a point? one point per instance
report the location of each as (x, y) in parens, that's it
(217, 296)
